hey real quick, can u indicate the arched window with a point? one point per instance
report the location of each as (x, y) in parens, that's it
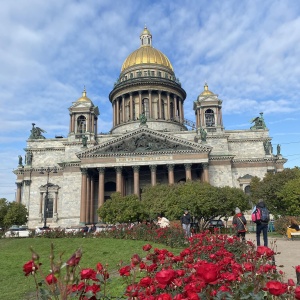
(247, 190)
(209, 118)
(145, 107)
(81, 124)
(49, 206)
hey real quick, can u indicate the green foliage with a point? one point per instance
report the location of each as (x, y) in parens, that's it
(122, 209)
(270, 190)
(107, 251)
(16, 214)
(3, 211)
(282, 223)
(203, 200)
(290, 195)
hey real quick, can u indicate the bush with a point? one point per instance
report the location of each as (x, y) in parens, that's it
(282, 223)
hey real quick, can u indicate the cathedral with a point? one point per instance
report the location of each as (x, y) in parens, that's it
(64, 180)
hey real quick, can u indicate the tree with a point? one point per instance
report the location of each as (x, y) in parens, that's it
(290, 195)
(269, 189)
(120, 209)
(3, 211)
(203, 200)
(16, 214)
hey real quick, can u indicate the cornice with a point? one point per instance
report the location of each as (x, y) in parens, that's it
(244, 140)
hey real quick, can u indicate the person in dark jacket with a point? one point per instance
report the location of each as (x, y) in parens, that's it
(261, 226)
(239, 222)
(186, 223)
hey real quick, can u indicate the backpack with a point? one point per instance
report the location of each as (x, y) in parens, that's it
(256, 215)
(265, 215)
(260, 215)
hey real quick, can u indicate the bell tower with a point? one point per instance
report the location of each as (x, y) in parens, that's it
(83, 118)
(208, 111)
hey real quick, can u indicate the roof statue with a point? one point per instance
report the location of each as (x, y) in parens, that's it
(36, 132)
(84, 140)
(259, 122)
(143, 119)
(20, 161)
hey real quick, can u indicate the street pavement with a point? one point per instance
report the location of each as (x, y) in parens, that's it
(288, 253)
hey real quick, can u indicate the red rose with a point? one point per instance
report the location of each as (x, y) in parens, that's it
(264, 251)
(135, 260)
(297, 292)
(164, 296)
(291, 282)
(29, 267)
(276, 288)
(142, 265)
(88, 274)
(94, 288)
(208, 272)
(75, 258)
(248, 266)
(132, 290)
(125, 271)
(51, 279)
(297, 269)
(146, 281)
(99, 267)
(147, 247)
(165, 277)
(152, 268)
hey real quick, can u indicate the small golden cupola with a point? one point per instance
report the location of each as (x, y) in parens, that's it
(208, 111)
(83, 118)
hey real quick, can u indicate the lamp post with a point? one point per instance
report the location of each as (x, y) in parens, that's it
(48, 171)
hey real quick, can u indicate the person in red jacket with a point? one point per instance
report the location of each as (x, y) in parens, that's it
(239, 222)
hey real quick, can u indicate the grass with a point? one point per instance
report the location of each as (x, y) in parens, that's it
(15, 252)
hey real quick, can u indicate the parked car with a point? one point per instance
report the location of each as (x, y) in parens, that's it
(17, 231)
(41, 230)
(216, 224)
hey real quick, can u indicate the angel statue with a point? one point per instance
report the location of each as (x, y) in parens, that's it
(259, 122)
(36, 132)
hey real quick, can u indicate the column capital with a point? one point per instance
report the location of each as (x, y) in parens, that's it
(19, 184)
(101, 170)
(170, 167)
(205, 166)
(27, 182)
(150, 92)
(84, 171)
(153, 168)
(187, 166)
(136, 168)
(118, 169)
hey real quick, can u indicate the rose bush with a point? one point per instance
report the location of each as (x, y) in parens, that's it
(213, 266)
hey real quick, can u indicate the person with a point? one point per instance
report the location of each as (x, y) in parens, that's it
(162, 222)
(239, 222)
(261, 226)
(92, 228)
(294, 227)
(185, 221)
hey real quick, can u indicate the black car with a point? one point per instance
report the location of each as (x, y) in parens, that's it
(216, 224)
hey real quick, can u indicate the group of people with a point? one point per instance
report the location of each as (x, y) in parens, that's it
(239, 223)
(185, 221)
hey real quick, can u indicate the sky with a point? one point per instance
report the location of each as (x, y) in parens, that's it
(247, 51)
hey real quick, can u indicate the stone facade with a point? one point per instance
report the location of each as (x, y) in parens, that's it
(65, 180)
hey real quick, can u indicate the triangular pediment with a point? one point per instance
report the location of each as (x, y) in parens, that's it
(144, 141)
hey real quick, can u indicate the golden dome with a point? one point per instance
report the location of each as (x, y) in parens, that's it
(146, 54)
(84, 98)
(206, 91)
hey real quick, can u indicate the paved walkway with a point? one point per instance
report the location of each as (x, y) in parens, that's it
(288, 253)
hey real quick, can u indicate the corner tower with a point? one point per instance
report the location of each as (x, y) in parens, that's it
(208, 111)
(147, 87)
(83, 118)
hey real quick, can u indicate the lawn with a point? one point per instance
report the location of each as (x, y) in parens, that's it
(15, 252)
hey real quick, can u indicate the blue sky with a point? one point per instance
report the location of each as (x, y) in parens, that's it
(247, 51)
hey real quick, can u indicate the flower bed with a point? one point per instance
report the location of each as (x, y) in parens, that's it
(213, 266)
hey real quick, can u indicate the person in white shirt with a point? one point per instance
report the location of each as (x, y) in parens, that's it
(162, 222)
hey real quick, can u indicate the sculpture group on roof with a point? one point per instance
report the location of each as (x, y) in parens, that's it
(36, 132)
